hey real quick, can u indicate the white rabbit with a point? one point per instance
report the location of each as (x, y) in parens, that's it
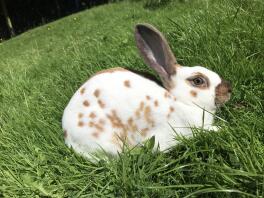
(116, 105)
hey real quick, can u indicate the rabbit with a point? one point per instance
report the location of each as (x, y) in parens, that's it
(117, 106)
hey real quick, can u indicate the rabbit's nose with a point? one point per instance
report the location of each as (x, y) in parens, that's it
(228, 85)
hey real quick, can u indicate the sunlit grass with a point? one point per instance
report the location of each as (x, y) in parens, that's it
(41, 69)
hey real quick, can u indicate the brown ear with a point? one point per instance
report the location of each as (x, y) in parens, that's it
(156, 52)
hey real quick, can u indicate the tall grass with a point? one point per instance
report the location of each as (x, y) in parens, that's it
(42, 68)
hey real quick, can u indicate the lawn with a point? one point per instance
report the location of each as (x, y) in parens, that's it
(42, 68)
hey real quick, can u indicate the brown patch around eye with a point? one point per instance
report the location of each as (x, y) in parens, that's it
(127, 83)
(148, 97)
(191, 81)
(193, 93)
(96, 93)
(86, 103)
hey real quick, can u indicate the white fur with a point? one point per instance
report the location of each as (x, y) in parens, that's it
(188, 112)
(124, 97)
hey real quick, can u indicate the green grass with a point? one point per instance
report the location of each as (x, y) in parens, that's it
(42, 68)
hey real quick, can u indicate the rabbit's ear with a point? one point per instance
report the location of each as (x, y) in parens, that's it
(156, 52)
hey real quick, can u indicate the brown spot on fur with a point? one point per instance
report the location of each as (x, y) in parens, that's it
(117, 123)
(65, 134)
(95, 134)
(137, 113)
(141, 106)
(147, 115)
(82, 90)
(130, 121)
(111, 70)
(115, 120)
(98, 127)
(92, 115)
(144, 132)
(80, 115)
(91, 124)
(147, 112)
(86, 103)
(101, 104)
(148, 97)
(97, 93)
(80, 124)
(171, 110)
(167, 94)
(174, 98)
(193, 93)
(131, 125)
(127, 83)
(101, 121)
(156, 103)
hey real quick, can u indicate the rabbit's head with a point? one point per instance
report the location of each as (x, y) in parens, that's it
(190, 85)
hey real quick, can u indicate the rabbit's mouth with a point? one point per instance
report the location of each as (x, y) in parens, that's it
(222, 93)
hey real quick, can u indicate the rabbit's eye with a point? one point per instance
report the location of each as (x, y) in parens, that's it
(198, 81)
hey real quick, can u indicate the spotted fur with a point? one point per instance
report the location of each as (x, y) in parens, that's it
(193, 93)
(117, 105)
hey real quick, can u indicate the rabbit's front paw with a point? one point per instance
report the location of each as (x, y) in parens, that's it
(212, 128)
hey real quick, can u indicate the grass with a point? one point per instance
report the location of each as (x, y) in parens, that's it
(42, 68)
